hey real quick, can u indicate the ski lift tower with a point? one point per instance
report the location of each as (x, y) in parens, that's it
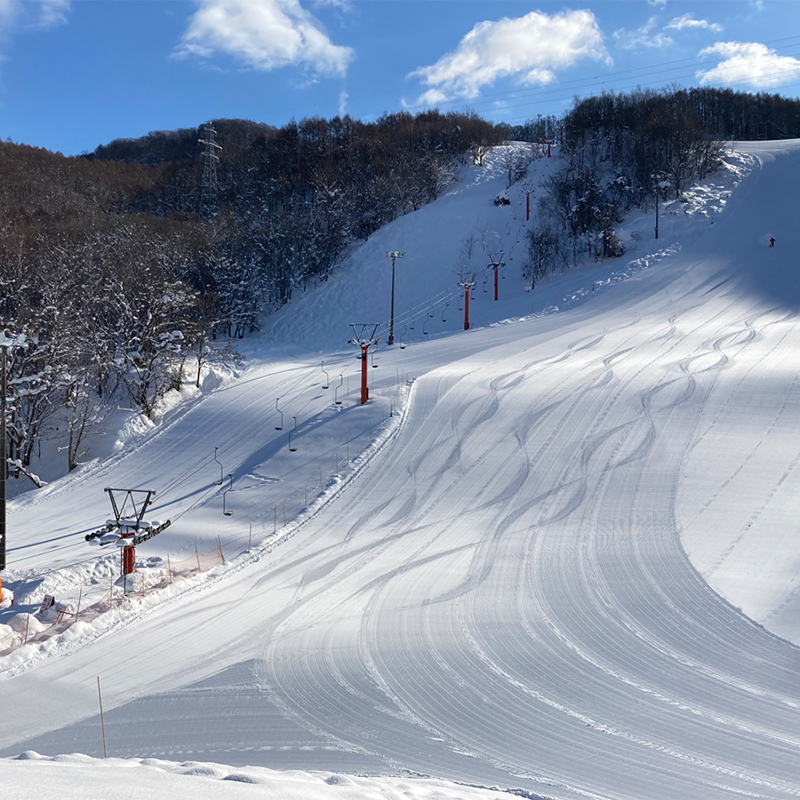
(496, 265)
(527, 187)
(363, 338)
(129, 527)
(467, 281)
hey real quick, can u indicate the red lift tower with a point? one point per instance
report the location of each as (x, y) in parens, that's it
(527, 187)
(467, 281)
(496, 266)
(364, 340)
(128, 528)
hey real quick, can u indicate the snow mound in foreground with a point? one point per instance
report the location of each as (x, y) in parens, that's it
(75, 777)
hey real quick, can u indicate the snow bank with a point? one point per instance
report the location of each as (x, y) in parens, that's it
(77, 777)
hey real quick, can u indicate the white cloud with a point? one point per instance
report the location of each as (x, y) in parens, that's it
(32, 15)
(687, 21)
(343, 96)
(264, 34)
(345, 5)
(528, 48)
(53, 12)
(8, 12)
(645, 36)
(750, 63)
(39, 14)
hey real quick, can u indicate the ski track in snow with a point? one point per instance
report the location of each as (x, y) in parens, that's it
(552, 575)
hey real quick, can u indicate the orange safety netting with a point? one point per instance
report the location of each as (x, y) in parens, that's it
(197, 562)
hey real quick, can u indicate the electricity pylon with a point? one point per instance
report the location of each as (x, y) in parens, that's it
(208, 195)
(364, 340)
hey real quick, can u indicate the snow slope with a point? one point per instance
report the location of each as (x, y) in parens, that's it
(561, 570)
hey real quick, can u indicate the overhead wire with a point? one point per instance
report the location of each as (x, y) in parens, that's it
(741, 81)
(599, 81)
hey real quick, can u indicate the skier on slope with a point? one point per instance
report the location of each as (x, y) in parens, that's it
(772, 241)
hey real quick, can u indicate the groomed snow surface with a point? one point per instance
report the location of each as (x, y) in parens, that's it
(555, 554)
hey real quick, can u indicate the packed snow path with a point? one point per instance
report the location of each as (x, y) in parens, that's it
(502, 595)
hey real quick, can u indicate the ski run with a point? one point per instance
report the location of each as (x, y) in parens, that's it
(556, 554)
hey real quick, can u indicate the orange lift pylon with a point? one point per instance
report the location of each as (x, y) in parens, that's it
(364, 340)
(467, 280)
(496, 266)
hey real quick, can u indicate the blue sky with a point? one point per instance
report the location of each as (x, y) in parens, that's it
(78, 73)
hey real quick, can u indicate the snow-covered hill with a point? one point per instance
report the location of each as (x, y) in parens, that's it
(560, 569)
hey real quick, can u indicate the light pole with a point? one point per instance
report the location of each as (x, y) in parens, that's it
(656, 212)
(394, 255)
(5, 343)
(658, 184)
(3, 450)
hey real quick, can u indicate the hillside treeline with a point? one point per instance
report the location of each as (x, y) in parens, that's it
(623, 151)
(121, 286)
(742, 116)
(722, 113)
(159, 147)
(290, 201)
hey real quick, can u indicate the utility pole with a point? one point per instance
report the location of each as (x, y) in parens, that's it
(467, 280)
(496, 266)
(364, 340)
(394, 255)
(208, 195)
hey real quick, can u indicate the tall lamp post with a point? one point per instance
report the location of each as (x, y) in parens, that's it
(394, 255)
(658, 183)
(6, 341)
(656, 212)
(3, 449)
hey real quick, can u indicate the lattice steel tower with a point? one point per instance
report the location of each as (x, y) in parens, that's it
(208, 195)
